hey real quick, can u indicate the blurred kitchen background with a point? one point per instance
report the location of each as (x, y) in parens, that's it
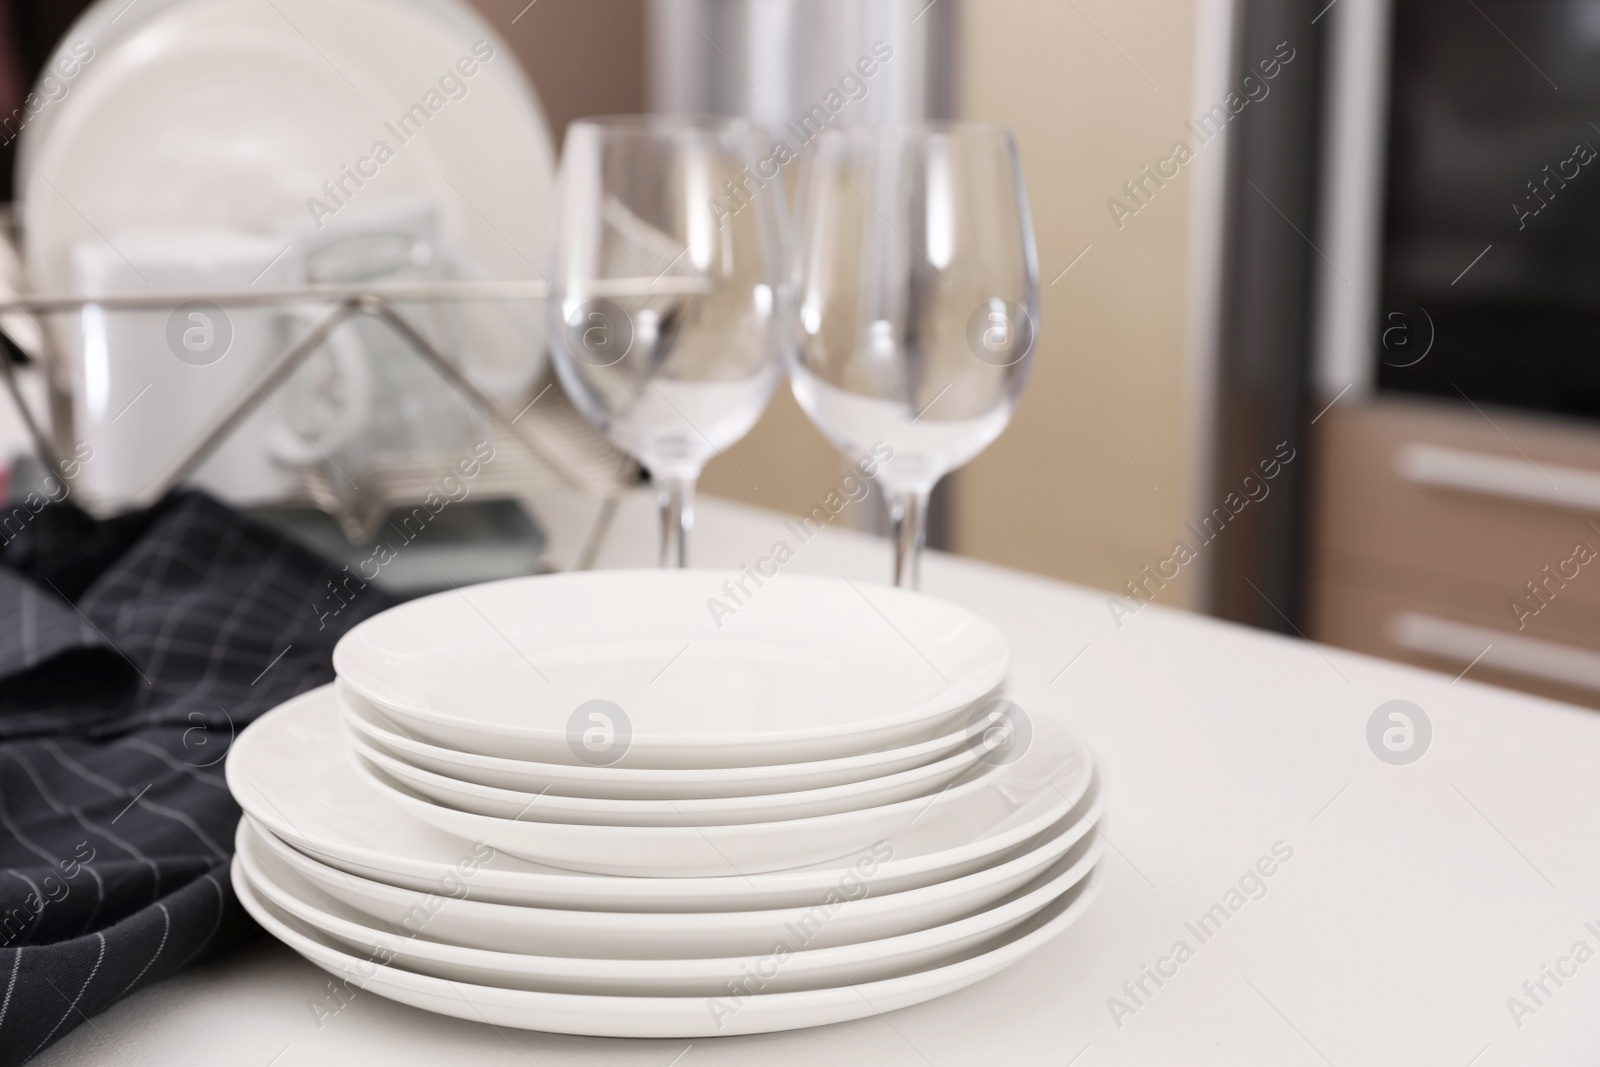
(1318, 338)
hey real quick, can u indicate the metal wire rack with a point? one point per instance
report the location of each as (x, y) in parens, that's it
(557, 447)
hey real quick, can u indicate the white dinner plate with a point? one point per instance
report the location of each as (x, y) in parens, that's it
(544, 807)
(640, 668)
(1053, 758)
(873, 910)
(290, 772)
(796, 946)
(637, 783)
(680, 1017)
(663, 935)
(787, 966)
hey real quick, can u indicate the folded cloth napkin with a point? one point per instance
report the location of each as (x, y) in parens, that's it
(132, 651)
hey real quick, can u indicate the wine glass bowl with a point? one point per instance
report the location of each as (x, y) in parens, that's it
(665, 292)
(916, 290)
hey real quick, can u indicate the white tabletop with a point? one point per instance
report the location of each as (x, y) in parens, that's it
(1417, 901)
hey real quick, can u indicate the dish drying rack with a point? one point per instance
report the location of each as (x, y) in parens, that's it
(556, 448)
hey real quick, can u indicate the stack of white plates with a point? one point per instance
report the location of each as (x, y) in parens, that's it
(665, 804)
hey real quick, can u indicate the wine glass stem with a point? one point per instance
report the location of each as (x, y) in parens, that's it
(676, 496)
(908, 510)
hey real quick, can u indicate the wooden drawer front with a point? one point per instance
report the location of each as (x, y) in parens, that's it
(1556, 654)
(1558, 617)
(1431, 488)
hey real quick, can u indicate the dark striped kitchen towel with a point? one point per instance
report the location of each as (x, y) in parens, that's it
(132, 651)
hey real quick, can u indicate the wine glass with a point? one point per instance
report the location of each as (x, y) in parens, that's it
(665, 293)
(916, 288)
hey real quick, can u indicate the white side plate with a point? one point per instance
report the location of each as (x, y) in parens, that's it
(636, 783)
(714, 811)
(807, 669)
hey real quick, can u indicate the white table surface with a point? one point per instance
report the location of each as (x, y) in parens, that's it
(1417, 901)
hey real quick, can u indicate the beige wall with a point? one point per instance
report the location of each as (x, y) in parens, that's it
(1054, 494)
(584, 57)
(788, 464)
